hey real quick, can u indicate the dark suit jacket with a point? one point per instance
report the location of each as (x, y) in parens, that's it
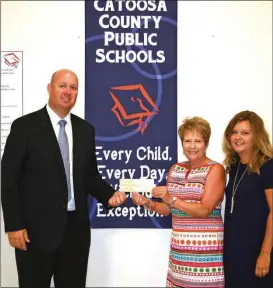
(34, 187)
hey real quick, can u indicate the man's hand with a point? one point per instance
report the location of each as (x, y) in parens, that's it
(117, 199)
(18, 239)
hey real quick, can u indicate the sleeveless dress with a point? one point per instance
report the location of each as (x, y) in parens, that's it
(196, 252)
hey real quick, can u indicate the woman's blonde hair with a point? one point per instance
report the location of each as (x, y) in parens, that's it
(198, 124)
(262, 147)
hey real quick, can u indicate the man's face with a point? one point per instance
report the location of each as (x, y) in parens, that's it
(63, 91)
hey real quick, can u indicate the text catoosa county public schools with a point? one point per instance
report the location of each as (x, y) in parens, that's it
(117, 34)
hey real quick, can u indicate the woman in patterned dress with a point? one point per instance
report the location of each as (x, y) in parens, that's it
(248, 211)
(193, 195)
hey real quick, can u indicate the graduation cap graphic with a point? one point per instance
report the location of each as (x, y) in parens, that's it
(11, 60)
(133, 105)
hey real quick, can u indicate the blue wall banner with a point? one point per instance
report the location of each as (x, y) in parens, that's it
(131, 99)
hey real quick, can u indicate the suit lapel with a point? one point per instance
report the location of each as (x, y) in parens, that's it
(50, 137)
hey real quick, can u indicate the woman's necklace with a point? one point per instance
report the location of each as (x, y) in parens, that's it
(235, 187)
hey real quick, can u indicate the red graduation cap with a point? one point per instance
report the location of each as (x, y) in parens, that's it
(145, 106)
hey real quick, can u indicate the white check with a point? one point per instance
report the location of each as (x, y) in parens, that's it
(136, 185)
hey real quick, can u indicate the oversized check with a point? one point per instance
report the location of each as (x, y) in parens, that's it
(136, 185)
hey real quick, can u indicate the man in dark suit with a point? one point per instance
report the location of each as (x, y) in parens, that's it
(48, 170)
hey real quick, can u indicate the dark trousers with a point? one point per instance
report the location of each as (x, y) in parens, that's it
(67, 265)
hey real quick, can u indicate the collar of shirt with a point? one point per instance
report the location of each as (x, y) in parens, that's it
(54, 118)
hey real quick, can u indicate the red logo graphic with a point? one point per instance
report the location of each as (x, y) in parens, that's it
(140, 117)
(11, 60)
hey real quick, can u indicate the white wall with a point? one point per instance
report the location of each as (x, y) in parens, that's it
(224, 66)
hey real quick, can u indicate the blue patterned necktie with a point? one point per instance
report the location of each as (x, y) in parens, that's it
(63, 143)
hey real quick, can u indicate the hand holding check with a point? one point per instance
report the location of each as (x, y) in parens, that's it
(117, 199)
(136, 187)
(139, 199)
(162, 192)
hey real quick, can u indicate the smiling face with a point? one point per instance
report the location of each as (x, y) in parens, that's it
(241, 140)
(194, 147)
(63, 91)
